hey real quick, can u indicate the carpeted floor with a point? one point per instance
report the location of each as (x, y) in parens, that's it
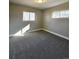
(38, 45)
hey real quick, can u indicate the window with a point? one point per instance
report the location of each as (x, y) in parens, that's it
(28, 16)
(32, 16)
(60, 14)
(25, 16)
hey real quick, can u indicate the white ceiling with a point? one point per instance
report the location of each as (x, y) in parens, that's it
(48, 4)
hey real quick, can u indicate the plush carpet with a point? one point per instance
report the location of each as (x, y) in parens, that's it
(38, 45)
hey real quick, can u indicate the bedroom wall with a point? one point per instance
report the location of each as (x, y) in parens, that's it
(56, 25)
(16, 22)
(43, 19)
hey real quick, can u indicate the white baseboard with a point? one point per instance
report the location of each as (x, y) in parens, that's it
(35, 30)
(56, 34)
(51, 33)
(47, 31)
(11, 35)
(28, 31)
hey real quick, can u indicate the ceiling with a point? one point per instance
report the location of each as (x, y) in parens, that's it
(48, 4)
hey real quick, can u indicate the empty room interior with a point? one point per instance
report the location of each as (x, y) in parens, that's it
(38, 29)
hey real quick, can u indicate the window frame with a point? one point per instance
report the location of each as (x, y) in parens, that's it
(60, 14)
(29, 16)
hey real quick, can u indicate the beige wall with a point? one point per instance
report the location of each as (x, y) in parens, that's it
(43, 19)
(56, 25)
(16, 18)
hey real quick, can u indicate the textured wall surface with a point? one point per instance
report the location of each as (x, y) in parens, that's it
(57, 25)
(16, 22)
(43, 19)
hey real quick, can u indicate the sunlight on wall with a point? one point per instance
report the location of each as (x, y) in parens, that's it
(19, 33)
(26, 28)
(22, 31)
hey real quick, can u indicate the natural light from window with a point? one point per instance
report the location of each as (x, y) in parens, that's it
(25, 16)
(60, 14)
(28, 16)
(22, 31)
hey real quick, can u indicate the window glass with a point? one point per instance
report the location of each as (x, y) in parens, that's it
(60, 14)
(25, 16)
(28, 16)
(32, 16)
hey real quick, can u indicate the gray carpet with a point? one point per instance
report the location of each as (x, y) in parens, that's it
(38, 45)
